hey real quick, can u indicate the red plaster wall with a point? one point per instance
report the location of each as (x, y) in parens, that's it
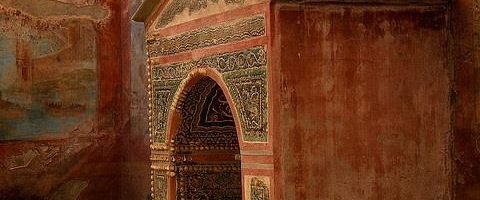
(361, 102)
(465, 57)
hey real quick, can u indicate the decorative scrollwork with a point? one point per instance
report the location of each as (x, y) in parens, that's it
(249, 58)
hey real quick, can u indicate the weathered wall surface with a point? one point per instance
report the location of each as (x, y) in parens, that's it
(363, 107)
(49, 68)
(64, 99)
(363, 95)
(466, 60)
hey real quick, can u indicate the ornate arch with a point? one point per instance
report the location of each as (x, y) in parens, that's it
(174, 117)
(241, 76)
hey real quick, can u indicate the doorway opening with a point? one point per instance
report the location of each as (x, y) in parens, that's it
(206, 147)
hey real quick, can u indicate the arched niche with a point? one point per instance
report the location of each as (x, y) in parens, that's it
(241, 76)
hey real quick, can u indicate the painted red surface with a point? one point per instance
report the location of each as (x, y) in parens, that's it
(366, 102)
(466, 142)
(361, 102)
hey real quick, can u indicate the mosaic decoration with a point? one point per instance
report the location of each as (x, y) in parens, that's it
(205, 37)
(249, 88)
(163, 95)
(221, 181)
(207, 129)
(177, 7)
(227, 62)
(245, 75)
(207, 120)
(160, 184)
(257, 188)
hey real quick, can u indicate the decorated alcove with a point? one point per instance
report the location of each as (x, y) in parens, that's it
(298, 99)
(208, 111)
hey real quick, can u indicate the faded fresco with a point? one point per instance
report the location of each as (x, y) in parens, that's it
(48, 67)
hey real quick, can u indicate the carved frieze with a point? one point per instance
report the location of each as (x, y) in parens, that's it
(238, 30)
(245, 75)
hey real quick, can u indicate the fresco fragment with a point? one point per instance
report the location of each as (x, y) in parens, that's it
(48, 76)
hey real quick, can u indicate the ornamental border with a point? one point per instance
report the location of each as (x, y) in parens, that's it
(250, 63)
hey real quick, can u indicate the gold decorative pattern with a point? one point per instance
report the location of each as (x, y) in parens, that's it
(238, 30)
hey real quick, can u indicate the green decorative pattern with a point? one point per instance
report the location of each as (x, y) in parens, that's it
(163, 92)
(245, 75)
(248, 88)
